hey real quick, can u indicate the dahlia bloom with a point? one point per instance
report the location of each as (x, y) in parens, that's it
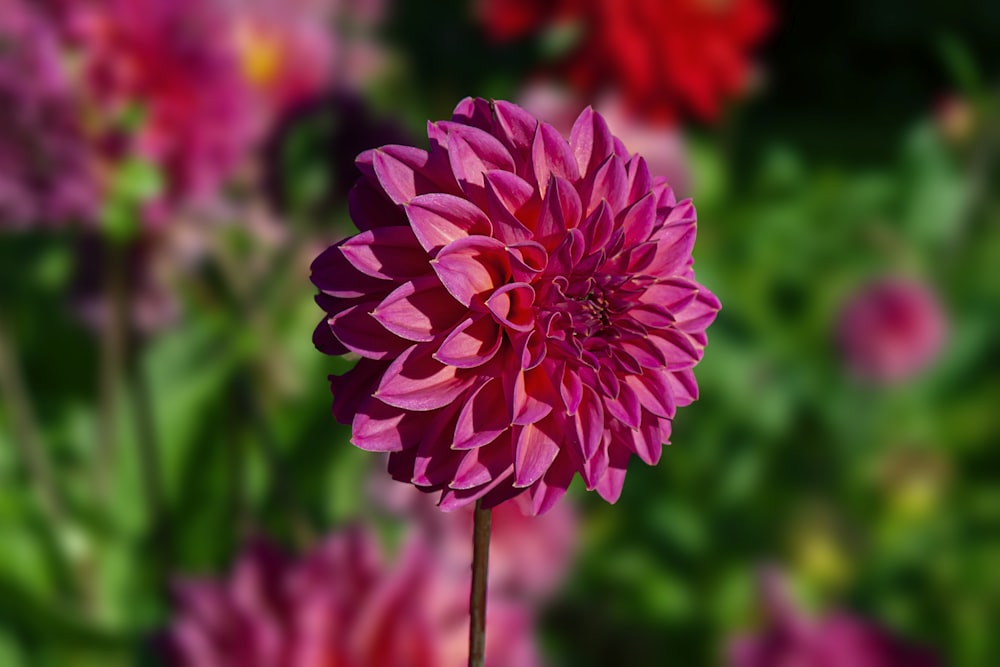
(668, 58)
(164, 59)
(837, 640)
(891, 330)
(46, 176)
(338, 605)
(524, 307)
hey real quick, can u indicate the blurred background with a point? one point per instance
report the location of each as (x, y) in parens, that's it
(170, 168)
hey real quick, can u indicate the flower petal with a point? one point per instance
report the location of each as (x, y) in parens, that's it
(419, 310)
(391, 253)
(378, 427)
(472, 266)
(483, 417)
(511, 306)
(363, 334)
(400, 172)
(590, 140)
(470, 344)
(551, 156)
(417, 381)
(438, 219)
(535, 451)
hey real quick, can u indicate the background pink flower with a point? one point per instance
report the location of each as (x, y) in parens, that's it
(525, 308)
(891, 329)
(46, 174)
(164, 86)
(338, 605)
(837, 640)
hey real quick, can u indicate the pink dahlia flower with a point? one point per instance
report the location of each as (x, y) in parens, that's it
(166, 60)
(46, 174)
(338, 605)
(838, 640)
(524, 307)
(891, 330)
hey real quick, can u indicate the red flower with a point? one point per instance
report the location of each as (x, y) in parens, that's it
(667, 57)
(525, 308)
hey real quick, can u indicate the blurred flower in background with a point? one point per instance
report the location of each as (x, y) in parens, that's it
(340, 604)
(790, 637)
(666, 59)
(47, 172)
(891, 330)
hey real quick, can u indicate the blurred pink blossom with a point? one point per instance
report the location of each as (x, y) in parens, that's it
(46, 173)
(339, 605)
(791, 639)
(662, 146)
(891, 330)
(163, 86)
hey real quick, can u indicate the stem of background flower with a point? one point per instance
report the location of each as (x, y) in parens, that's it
(113, 351)
(31, 446)
(477, 598)
(27, 435)
(149, 462)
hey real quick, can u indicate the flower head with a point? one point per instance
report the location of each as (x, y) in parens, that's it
(669, 58)
(891, 330)
(524, 307)
(338, 605)
(46, 175)
(837, 640)
(164, 62)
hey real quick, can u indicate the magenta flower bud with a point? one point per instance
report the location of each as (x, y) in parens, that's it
(891, 330)
(524, 308)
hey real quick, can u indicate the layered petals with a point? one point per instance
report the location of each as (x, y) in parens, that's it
(536, 318)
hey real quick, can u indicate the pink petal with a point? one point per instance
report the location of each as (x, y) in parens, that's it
(391, 253)
(589, 423)
(361, 333)
(511, 306)
(571, 389)
(551, 156)
(638, 220)
(683, 386)
(699, 313)
(599, 226)
(645, 441)
(475, 112)
(561, 209)
(535, 451)
(354, 387)
(532, 394)
(517, 127)
(553, 486)
(653, 391)
(438, 219)
(610, 486)
(483, 417)
(417, 381)
(626, 407)
(677, 347)
(369, 207)
(470, 344)
(400, 172)
(472, 152)
(419, 310)
(379, 427)
(334, 275)
(639, 180)
(590, 140)
(673, 253)
(609, 183)
(472, 266)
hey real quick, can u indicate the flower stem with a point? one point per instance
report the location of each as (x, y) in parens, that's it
(477, 599)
